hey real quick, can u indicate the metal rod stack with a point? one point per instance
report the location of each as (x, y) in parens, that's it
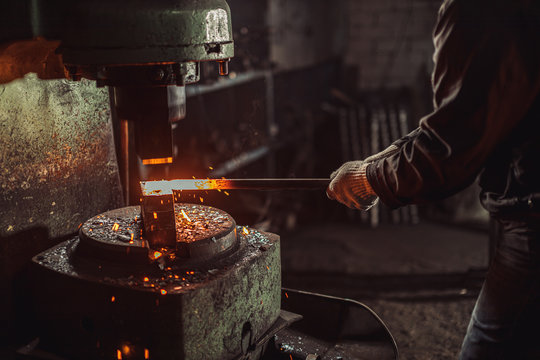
(367, 127)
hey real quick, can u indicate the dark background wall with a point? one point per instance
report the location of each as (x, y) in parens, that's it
(390, 41)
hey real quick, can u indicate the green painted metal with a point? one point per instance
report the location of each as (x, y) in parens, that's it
(140, 31)
(233, 300)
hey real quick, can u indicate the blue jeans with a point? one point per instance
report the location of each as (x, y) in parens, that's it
(505, 322)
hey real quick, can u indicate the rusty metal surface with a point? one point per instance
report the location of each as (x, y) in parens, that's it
(57, 167)
(91, 311)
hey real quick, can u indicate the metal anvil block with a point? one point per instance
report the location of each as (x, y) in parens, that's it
(90, 309)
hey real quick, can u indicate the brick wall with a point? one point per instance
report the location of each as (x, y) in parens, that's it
(390, 41)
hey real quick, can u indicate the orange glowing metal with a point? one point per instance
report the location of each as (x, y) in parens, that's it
(185, 215)
(146, 354)
(157, 254)
(118, 354)
(115, 227)
(157, 161)
(166, 187)
(245, 230)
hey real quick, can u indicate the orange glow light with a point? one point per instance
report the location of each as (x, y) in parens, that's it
(113, 299)
(157, 161)
(146, 354)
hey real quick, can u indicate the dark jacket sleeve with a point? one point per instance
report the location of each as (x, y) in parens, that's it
(484, 80)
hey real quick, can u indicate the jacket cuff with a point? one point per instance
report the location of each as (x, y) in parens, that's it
(374, 174)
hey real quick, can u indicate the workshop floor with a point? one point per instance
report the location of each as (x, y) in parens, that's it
(422, 280)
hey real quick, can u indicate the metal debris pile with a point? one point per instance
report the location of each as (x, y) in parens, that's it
(119, 229)
(195, 223)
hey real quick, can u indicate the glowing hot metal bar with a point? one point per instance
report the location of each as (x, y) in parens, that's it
(166, 187)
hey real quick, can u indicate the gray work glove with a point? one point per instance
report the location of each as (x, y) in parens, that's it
(389, 151)
(349, 186)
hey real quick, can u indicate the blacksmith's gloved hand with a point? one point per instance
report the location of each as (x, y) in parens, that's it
(349, 186)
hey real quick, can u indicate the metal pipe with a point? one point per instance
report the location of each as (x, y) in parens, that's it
(277, 184)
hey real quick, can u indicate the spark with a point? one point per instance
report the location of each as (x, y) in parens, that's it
(185, 215)
(146, 354)
(226, 193)
(113, 299)
(200, 198)
(126, 349)
(115, 227)
(157, 254)
(245, 230)
(155, 215)
(118, 354)
(146, 279)
(163, 292)
(211, 168)
(286, 295)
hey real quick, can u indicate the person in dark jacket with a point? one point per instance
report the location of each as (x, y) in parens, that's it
(486, 121)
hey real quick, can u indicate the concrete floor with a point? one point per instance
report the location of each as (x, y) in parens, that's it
(421, 279)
